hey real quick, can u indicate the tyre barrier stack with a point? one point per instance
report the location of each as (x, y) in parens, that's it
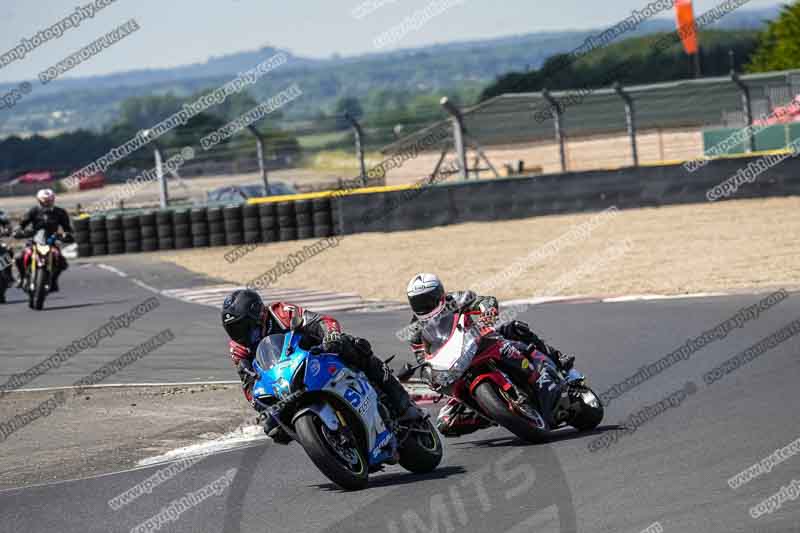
(268, 222)
(164, 230)
(287, 223)
(203, 227)
(83, 236)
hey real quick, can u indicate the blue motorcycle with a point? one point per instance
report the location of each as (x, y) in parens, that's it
(341, 421)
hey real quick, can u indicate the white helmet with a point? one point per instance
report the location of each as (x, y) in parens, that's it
(46, 197)
(426, 295)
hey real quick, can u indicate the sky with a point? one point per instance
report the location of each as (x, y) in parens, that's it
(177, 32)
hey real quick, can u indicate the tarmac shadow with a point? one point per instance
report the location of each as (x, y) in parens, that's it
(399, 478)
(559, 435)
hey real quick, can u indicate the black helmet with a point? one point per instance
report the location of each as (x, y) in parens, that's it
(242, 313)
(425, 295)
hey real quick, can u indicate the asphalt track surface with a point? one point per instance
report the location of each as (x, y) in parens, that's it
(673, 470)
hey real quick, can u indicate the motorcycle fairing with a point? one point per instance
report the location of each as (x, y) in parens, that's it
(280, 359)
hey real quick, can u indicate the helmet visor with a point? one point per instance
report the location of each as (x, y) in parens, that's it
(243, 332)
(425, 303)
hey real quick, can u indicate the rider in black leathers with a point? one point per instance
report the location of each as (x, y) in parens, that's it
(50, 218)
(247, 320)
(6, 255)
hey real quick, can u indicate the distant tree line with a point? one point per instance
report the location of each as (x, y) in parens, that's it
(66, 152)
(382, 109)
(720, 50)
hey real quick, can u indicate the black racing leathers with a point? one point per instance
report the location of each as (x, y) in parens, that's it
(50, 219)
(47, 218)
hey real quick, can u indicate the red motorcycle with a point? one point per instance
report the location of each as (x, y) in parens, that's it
(40, 262)
(518, 388)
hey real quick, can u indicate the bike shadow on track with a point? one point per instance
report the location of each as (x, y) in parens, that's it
(398, 478)
(550, 487)
(522, 483)
(65, 307)
(79, 306)
(558, 436)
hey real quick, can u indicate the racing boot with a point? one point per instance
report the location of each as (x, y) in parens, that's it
(563, 361)
(358, 352)
(21, 270)
(276, 432)
(396, 395)
(456, 419)
(62, 267)
(517, 330)
(54, 281)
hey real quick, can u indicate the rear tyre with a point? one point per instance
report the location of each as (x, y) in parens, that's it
(422, 451)
(350, 475)
(37, 295)
(498, 410)
(591, 413)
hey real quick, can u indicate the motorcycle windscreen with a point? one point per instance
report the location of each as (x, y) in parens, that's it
(453, 345)
(40, 238)
(269, 351)
(438, 331)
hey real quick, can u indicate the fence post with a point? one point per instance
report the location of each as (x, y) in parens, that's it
(163, 194)
(559, 126)
(458, 135)
(630, 118)
(359, 133)
(262, 165)
(748, 109)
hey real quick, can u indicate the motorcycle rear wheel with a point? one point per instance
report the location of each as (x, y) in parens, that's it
(488, 397)
(348, 475)
(422, 451)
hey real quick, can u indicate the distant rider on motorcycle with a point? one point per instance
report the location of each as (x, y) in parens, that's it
(428, 301)
(247, 321)
(6, 255)
(50, 218)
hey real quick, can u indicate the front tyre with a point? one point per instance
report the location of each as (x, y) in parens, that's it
(340, 459)
(422, 451)
(501, 412)
(37, 295)
(590, 413)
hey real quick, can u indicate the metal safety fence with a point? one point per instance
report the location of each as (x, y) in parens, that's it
(586, 129)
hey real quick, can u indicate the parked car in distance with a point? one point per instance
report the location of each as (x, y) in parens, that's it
(236, 194)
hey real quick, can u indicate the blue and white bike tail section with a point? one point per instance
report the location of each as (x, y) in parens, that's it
(279, 358)
(326, 373)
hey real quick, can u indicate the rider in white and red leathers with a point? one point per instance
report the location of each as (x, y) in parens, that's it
(428, 300)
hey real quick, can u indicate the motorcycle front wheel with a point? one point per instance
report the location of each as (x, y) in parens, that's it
(37, 295)
(499, 410)
(338, 457)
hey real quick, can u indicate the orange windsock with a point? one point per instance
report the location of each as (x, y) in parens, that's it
(687, 28)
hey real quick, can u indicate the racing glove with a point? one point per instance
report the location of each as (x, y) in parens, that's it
(246, 373)
(332, 342)
(487, 320)
(238, 352)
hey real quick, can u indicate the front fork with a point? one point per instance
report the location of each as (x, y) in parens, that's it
(34, 265)
(32, 271)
